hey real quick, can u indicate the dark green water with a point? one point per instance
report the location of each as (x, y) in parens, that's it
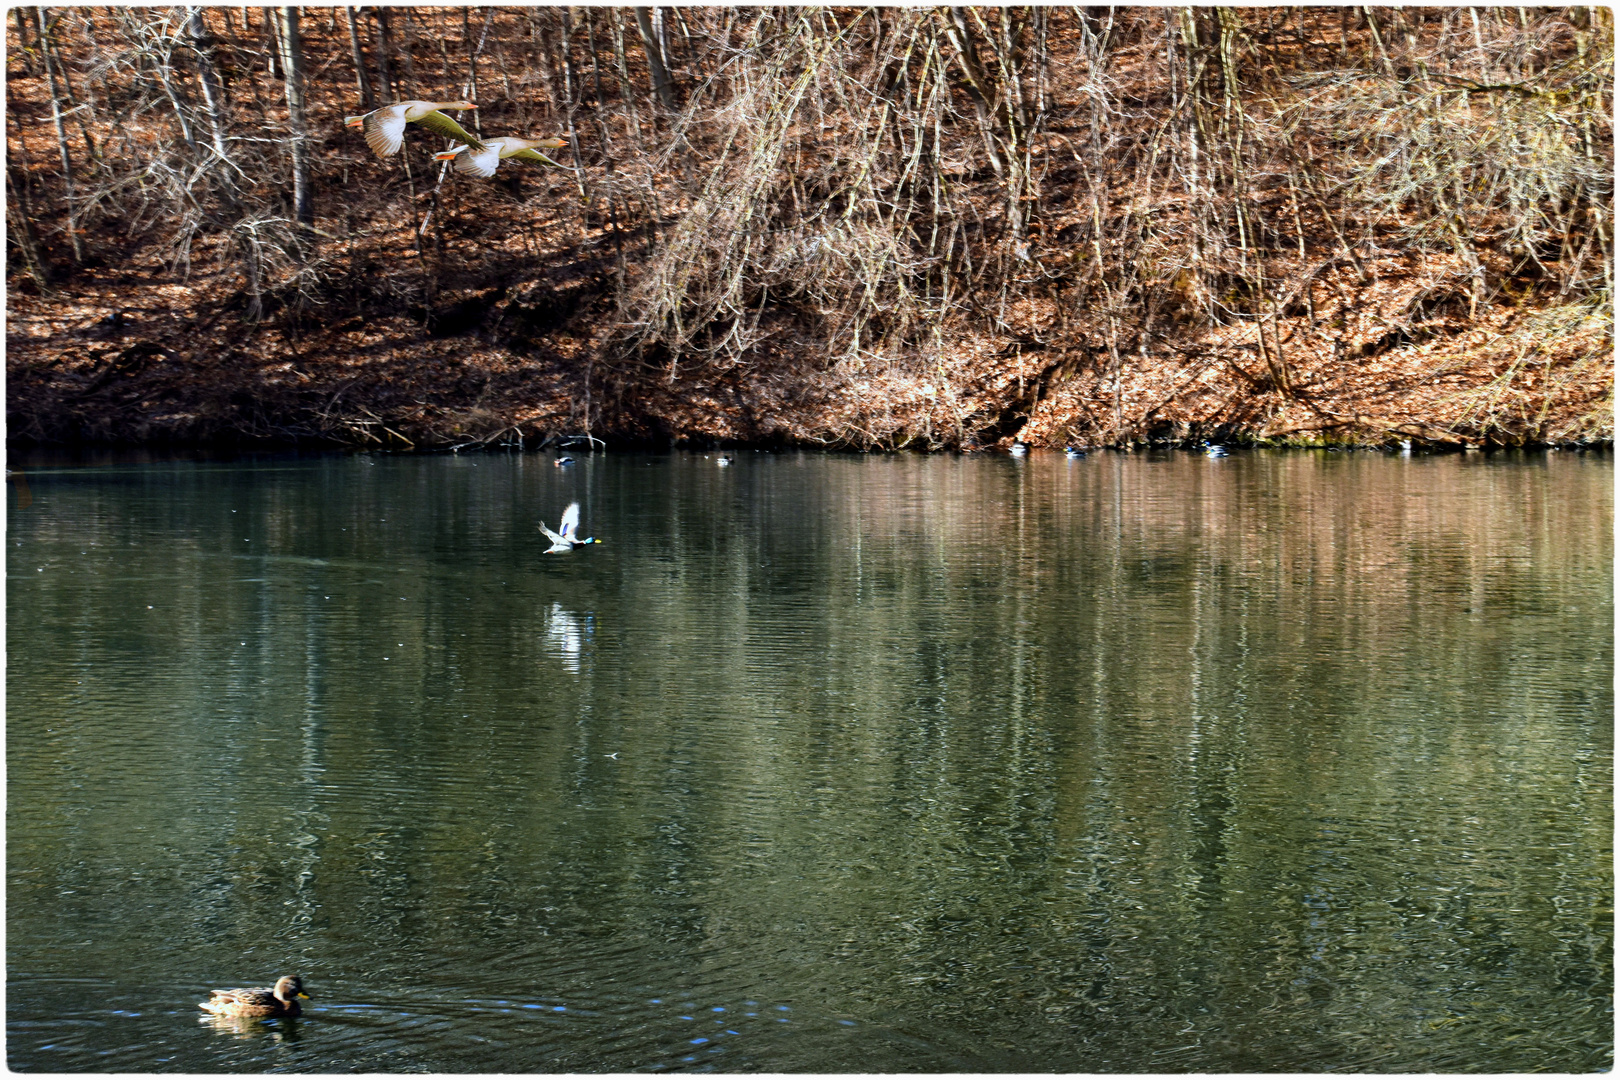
(1150, 763)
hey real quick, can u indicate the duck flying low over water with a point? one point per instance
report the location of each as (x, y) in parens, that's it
(564, 539)
(385, 127)
(483, 161)
(280, 1000)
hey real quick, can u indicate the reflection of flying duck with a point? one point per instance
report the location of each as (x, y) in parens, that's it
(566, 635)
(564, 539)
(258, 1001)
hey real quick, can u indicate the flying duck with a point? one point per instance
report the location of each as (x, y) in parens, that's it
(564, 539)
(481, 161)
(385, 127)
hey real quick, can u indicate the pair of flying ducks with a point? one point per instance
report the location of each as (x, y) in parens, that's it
(384, 129)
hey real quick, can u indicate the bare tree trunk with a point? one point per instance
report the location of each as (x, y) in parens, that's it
(28, 54)
(159, 51)
(412, 87)
(21, 233)
(384, 47)
(20, 217)
(61, 132)
(293, 65)
(977, 83)
(472, 53)
(272, 40)
(81, 117)
(662, 85)
(367, 102)
(571, 93)
(214, 99)
(596, 66)
(540, 58)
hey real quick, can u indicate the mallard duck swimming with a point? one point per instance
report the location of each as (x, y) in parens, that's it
(564, 539)
(1019, 448)
(562, 462)
(1214, 450)
(259, 1000)
(723, 461)
(1073, 452)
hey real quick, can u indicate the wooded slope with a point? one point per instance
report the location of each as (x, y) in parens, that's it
(925, 227)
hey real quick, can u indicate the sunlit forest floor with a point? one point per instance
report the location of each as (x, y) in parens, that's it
(433, 310)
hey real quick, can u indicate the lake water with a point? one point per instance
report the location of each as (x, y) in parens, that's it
(1142, 762)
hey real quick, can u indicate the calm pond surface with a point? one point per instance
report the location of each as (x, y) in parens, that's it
(1146, 763)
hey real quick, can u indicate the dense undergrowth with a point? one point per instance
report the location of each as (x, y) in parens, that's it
(871, 228)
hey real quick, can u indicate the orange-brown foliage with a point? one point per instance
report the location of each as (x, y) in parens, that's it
(917, 227)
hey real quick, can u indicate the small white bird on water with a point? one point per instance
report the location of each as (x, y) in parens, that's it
(564, 539)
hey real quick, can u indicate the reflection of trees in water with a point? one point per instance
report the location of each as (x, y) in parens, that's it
(1256, 755)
